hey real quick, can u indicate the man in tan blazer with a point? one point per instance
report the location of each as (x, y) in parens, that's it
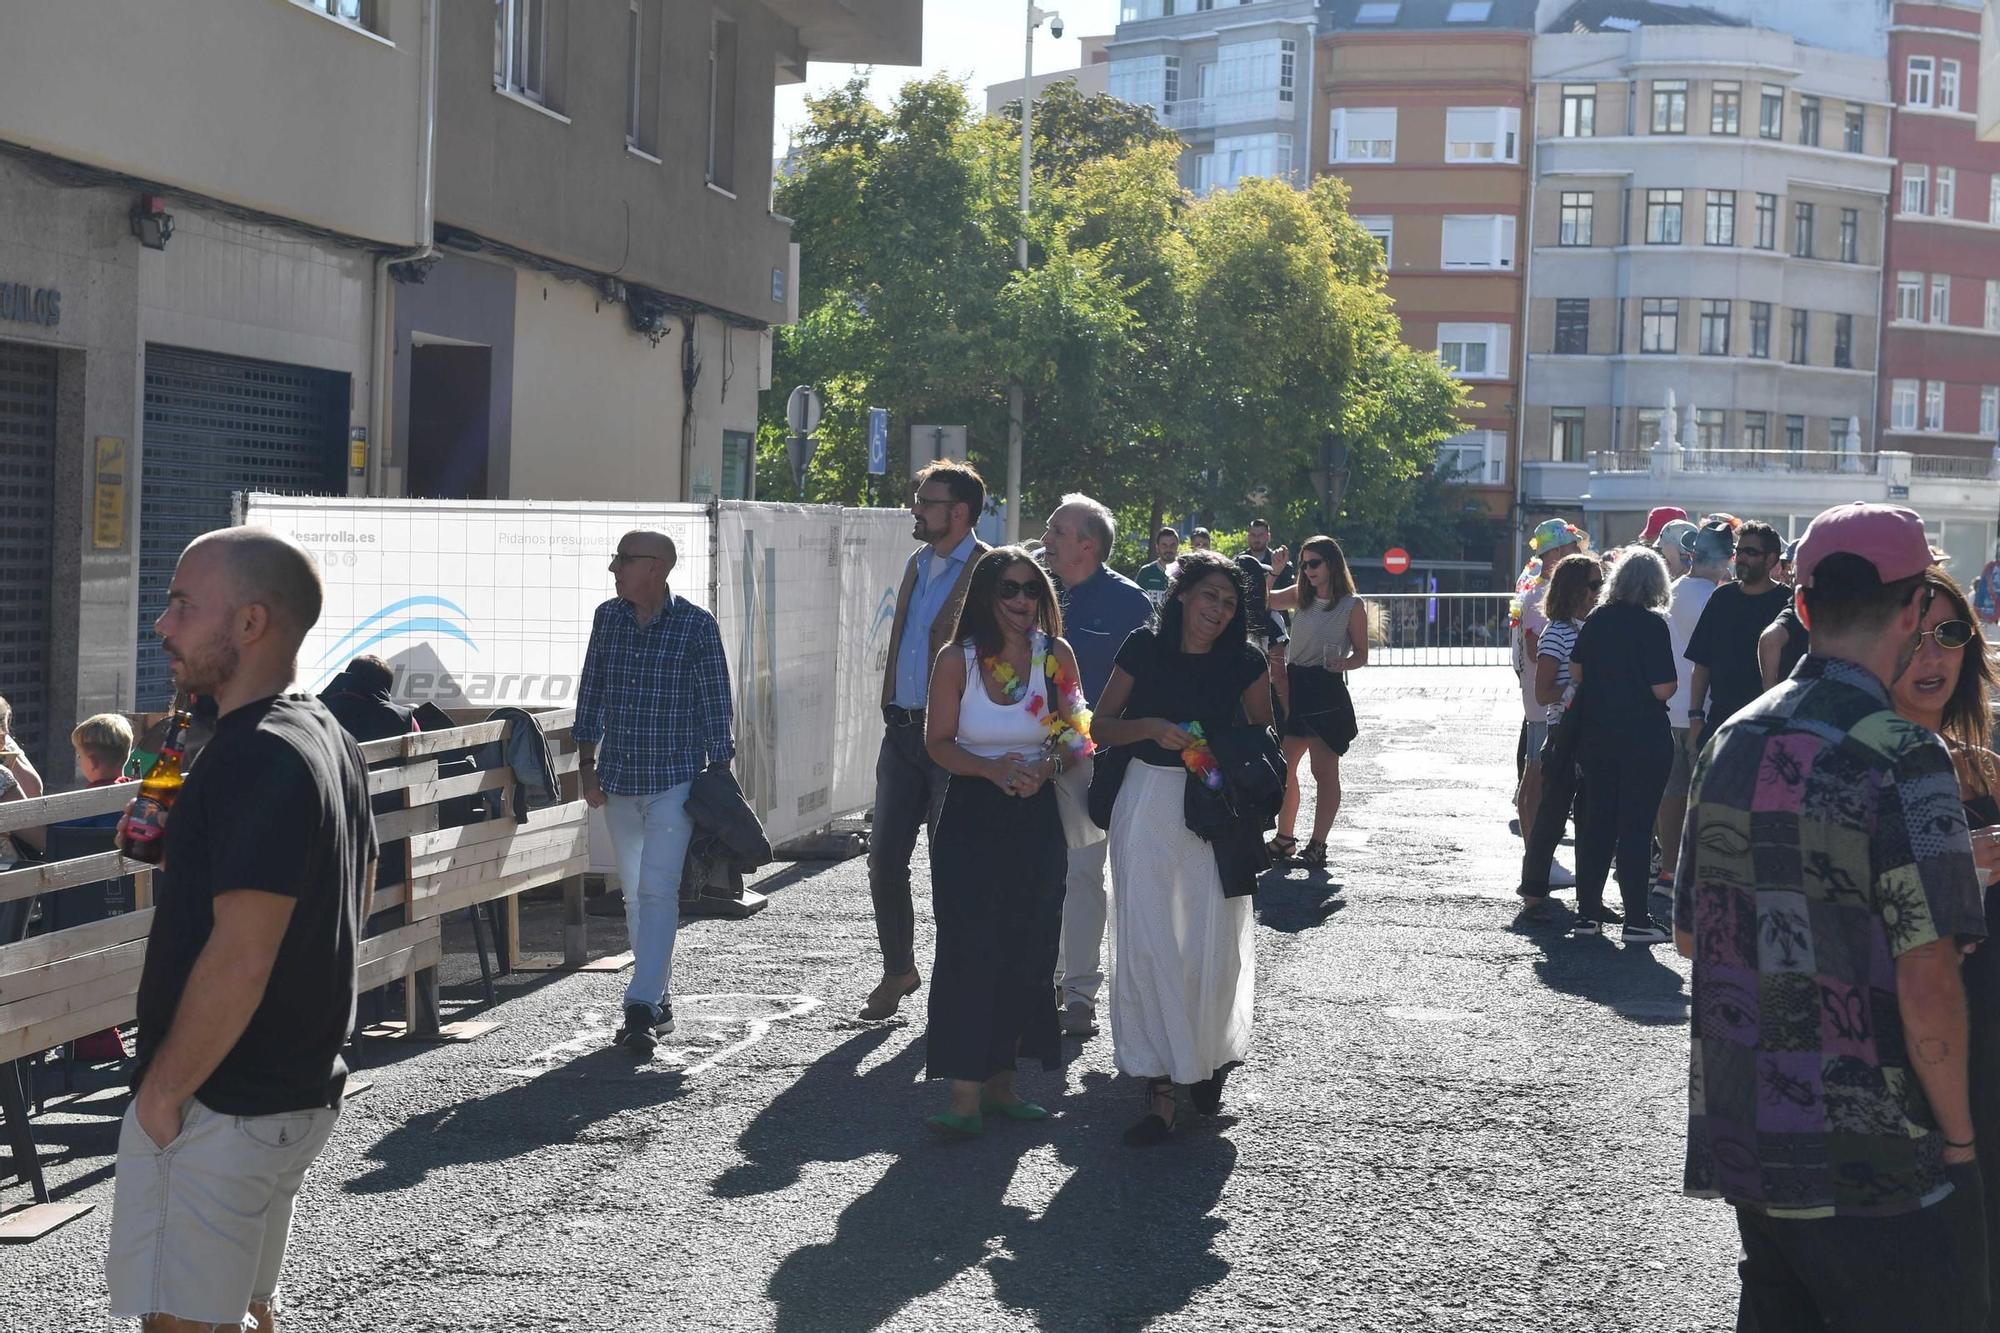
(908, 786)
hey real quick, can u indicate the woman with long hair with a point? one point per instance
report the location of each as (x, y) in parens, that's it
(1003, 718)
(1623, 667)
(1573, 591)
(1329, 638)
(1182, 977)
(1947, 688)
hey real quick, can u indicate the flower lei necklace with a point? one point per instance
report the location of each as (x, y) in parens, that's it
(1071, 733)
(1199, 758)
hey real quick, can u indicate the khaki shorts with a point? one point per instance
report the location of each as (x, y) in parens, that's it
(198, 1228)
(1680, 773)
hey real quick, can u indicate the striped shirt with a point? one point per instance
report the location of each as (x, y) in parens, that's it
(1558, 642)
(654, 699)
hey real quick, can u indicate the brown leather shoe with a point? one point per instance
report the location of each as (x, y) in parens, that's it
(888, 995)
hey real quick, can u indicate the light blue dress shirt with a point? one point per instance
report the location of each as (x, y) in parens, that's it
(927, 599)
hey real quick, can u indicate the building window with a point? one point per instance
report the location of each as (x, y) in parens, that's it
(1709, 423)
(1475, 458)
(1802, 230)
(1670, 106)
(1574, 226)
(1760, 329)
(1572, 326)
(1850, 235)
(1288, 69)
(1771, 113)
(1566, 434)
(1663, 217)
(1648, 420)
(1934, 405)
(520, 47)
(1801, 334)
(1240, 157)
(1725, 108)
(1659, 325)
(1469, 11)
(1152, 81)
(1795, 435)
(1767, 222)
(1989, 411)
(1917, 81)
(1579, 110)
(1715, 328)
(1474, 351)
(1478, 241)
(1378, 11)
(1910, 297)
(1721, 217)
(1916, 187)
(1756, 427)
(722, 104)
(1855, 121)
(1809, 121)
(1945, 197)
(360, 13)
(1940, 299)
(1993, 305)
(1947, 85)
(1843, 342)
(1363, 134)
(1482, 134)
(1903, 405)
(1383, 229)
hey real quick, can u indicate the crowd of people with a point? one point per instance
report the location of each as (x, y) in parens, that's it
(1789, 743)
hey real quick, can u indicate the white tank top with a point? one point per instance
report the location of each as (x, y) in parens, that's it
(990, 730)
(1320, 634)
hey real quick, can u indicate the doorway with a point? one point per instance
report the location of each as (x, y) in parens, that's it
(450, 421)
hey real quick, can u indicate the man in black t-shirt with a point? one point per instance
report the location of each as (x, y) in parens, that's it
(1723, 647)
(247, 992)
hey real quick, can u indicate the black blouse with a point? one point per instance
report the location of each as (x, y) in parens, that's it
(1184, 687)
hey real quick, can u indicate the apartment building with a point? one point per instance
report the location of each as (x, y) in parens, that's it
(1708, 217)
(1090, 78)
(1232, 77)
(1941, 279)
(1421, 105)
(393, 247)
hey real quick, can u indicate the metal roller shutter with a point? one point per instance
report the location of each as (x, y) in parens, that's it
(216, 425)
(27, 541)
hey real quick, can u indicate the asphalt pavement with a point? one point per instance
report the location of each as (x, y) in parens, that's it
(1445, 1124)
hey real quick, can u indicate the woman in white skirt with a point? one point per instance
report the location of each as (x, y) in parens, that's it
(1183, 972)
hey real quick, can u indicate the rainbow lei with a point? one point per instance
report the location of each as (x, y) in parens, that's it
(1200, 760)
(1071, 733)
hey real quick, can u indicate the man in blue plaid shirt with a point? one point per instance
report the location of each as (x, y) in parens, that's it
(652, 712)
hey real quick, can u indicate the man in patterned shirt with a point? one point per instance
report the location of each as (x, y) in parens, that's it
(1825, 892)
(652, 711)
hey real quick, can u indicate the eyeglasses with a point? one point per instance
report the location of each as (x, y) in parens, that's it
(622, 559)
(1760, 552)
(1949, 633)
(1315, 564)
(919, 502)
(1007, 590)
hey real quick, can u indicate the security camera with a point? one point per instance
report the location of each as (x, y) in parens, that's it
(1055, 26)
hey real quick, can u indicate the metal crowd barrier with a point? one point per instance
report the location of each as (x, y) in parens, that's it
(1438, 628)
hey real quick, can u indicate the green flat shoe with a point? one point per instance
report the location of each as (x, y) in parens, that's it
(956, 1126)
(1014, 1110)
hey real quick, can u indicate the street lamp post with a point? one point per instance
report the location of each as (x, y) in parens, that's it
(1016, 395)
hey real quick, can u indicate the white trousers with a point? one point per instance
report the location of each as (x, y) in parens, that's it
(1079, 963)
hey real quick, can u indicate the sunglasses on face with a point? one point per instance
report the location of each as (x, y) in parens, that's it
(1949, 633)
(1315, 564)
(1007, 590)
(621, 559)
(1757, 551)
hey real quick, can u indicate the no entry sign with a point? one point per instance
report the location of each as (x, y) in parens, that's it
(1396, 560)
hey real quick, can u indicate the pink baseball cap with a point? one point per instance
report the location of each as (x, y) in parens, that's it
(1658, 519)
(1889, 537)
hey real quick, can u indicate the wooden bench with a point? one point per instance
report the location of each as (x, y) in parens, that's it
(58, 987)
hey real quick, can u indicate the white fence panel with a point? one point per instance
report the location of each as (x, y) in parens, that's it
(875, 545)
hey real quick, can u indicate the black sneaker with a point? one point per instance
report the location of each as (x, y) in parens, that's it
(1602, 915)
(663, 1026)
(1586, 926)
(1644, 932)
(636, 1035)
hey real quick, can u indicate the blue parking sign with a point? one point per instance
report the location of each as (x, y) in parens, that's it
(878, 441)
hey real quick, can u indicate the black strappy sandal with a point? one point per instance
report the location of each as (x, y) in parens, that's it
(1314, 855)
(1153, 1127)
(1284, 849)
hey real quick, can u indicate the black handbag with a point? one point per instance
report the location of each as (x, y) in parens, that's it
(1107, 775)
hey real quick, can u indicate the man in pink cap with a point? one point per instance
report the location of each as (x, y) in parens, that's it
(1826, 891)
(1658, 519)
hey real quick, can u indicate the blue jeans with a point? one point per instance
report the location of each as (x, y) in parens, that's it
(649, 839)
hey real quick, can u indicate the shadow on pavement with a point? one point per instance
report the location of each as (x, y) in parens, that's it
(557, 1107)
(1127, 1238)
(1294, 905)
(830, 1114)
(1628, 979)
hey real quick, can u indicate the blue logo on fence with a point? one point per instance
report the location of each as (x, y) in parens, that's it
(419, 618)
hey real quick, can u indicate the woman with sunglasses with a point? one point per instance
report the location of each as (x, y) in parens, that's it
(1947, 688)
(1000, 723)
(1182, 977)
(1329, 639)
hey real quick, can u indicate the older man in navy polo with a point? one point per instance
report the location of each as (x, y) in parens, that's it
(1100, 608)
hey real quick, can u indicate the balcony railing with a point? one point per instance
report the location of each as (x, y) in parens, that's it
(1203, 113)
(1795, 461)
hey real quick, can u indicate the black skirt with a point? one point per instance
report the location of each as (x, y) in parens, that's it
(997, 869)
(1321, 707)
